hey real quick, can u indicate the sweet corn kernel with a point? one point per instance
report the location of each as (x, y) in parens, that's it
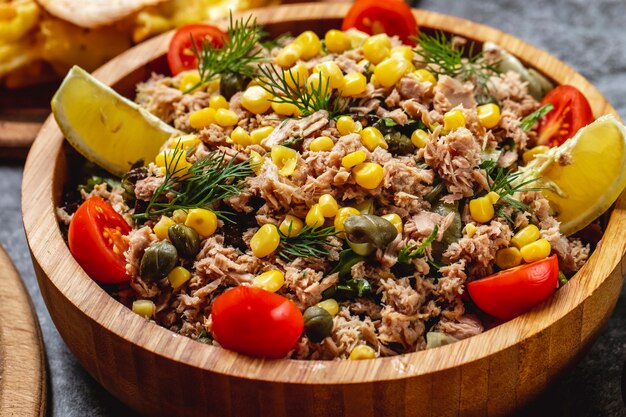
(328, 205)
(160, 229)
(144, 308)
(394, 219)
(291, 226)
(330, 305)
(420, 138)
(530, 154)
(179, 216)
(368, 175)
(330, 71)
(218, 102)
(321, 144)
(285, 159)
(453, 119)
(527, 235)
(202, 221)
(481, 209)
(361, 352)
(175, 160)
(258, 134)
(256, 100)
(354, 84)
(265, 241)
(289, 55)
(310, 44)
(372, 138)
(353, 159)
(271, 281)
(389, 71)
(178, 276)
(240, 136)
(508, 258)
(185, 142)
(337, 41)
(493, 197)
(403, 52)
(314, 81)
(285, 109)
(470, 229)
(342, 214)
(315, 217)
(425, 76)
(296, 76)
(226, 118)
(374, 81)
(488, 115)
(188, 81)
(346, 125)
(357, 38)
(376, 48)
(202, 118)
(536, 250)
(256, 162)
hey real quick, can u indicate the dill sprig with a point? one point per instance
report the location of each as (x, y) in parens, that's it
(309, 243)
(531, 120)
(407, 254)
(307, 100)
(209, 179)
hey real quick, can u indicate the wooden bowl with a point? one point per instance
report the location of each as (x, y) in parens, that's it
(158, 372)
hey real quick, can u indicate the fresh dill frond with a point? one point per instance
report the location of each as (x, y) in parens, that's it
(529, 121)
(292, 141)
(406, 255)
(506, 184)
(309, 243)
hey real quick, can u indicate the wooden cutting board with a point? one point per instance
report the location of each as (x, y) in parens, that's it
(22, 361)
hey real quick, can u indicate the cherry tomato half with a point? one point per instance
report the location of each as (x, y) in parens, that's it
(511, 292)
(571, 112)
(96, 241)
(393, 17)
(180, 56)
(256, 322)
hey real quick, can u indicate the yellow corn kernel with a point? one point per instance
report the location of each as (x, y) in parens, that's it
(218, 102)
(488, 115)
(425, 76)
(420, 138)
(337, 41)
(530, 154)
(321, 144)
(353, 159)
(265, 240)
(256, 162)
(256, 100)
(313, 83)
(346, 125)
(160, 229)
(330, 71)
(240, 136)
(371, 138)
(394, 219)
(330, 305)
(403, 52)
(508, 258)
(356, 37)
(291, 226)
(361, 352)
(144, 308)
(389, 71)
(175, 160)
(481, 209)
(453, 119)
(178, 276)
(376, 48)
(258, 134)
(368, 175)
(493, 197)
(470, 229)
(202, 118)
(179, 216)
(328, 205)
(536, 250)
(226, 118)
(296, 76)
(185, 142)
(285, 109)
(342, 214)
(188, 81)
(285, 159)
(271, 281)
(354, 84)
(310, 44)
(202, 221)
(289, 55)
(315, 217)
(374, 81)
(527, 235)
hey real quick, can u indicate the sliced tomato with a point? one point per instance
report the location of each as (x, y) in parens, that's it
(96, 241)
(511, 292)
(571, 112)
(256, 322)
(393, 17)
(180, 56)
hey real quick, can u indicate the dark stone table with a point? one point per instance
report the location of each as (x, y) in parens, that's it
(587, 34)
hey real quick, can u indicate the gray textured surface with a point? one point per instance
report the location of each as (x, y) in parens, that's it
(587, 34)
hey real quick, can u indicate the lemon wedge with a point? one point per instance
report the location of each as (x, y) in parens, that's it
(106, 128)
(585, 188)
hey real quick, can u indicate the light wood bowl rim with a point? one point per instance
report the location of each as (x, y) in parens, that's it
(51, 253)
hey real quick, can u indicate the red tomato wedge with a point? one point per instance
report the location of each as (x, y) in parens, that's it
(180, 56)
(571, 112)
(256, 322)
(511, 292)
(393, 17)
(96, 241)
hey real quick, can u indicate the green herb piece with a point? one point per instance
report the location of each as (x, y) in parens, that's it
(531, 120)
(276, 42)
(205, 337)
(291, 142)
(309, 243)
(359, 287)
(506, 184)
(409, 253)
(389, 122)
(97, 180)
(347, 259)
(562, 279)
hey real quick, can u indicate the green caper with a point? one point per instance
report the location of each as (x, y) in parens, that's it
(231, 83)
(368, 228)
(318, 323)
(158, 260)
(399, 144)
(365, 207)
(185, 240)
